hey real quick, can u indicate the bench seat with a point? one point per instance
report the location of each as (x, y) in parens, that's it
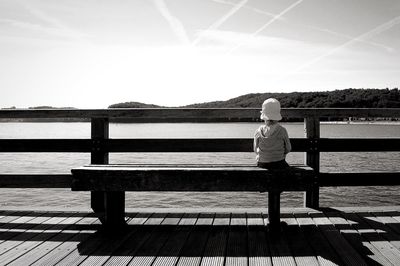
(114, 180)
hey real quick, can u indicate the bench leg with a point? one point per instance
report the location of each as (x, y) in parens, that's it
(97, 201)
(274, 200)
(114, 203)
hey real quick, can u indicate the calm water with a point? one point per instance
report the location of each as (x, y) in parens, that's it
(63, 162)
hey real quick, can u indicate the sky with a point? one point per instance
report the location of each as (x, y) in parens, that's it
(94, 53)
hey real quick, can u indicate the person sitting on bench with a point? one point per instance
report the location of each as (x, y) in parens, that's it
(271, 140)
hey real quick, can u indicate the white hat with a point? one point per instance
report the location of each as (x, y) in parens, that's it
(271, 110)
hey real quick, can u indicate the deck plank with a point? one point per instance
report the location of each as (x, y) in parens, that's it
(328, 237)
(236, 250)
(342, 247)
(324, 252)
(124, 254)
(193, 249)
(259, 253)
(377, 236)
(12, 225)
(279, 247)
(80, 231)
(150, 249)
(355, 233)
(390, 226)
(214, 252)
(169, 253)
(300, 248)
(31, 238)
(113, 241)
(55, 238)
(83, 249)
(18, 232)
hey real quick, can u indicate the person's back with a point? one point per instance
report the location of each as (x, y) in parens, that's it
(271, 141)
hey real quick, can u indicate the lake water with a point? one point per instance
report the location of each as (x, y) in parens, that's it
(63, 162)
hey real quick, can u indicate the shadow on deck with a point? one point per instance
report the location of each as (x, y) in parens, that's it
(326, 237)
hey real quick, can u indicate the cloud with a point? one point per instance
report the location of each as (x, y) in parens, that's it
(175, 24)
(224, 18)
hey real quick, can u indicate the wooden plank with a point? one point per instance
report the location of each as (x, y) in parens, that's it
(359, 179)
(312, 159)
(125, 252)
(192, 252)
(374, 233)
(387, 219)
(45, 145)
(326, 256)
(51, 239)
(214, 251)
(99, 132)
(81, 251)
(390, 226)
(278, 243)
(233, 178)
(15, 227)
(194, 145)
(197, 114)
(302, 252)
(258, 248)
(169, 253)
(140, 145)
(68, 240)
(236, 250)
(29, 239)
(149, 251)
(112, 242)
(35, 180)
(353, 233)
(358, 144)
(345, 251)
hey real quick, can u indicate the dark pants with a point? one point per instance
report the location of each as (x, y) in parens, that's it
(274, 165)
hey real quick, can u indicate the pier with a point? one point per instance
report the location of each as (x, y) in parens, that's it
(310, 235)
(335, 236)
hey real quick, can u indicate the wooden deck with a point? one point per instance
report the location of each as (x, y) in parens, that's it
(369, 236)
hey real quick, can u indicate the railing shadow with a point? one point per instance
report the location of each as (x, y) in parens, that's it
(222, 237)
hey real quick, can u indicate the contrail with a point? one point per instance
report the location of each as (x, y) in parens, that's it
(175, 24)
(278, 16)
(224, 18)
(63, 30)
(328, 31)
(381, 28)
(387, 48)
(246, 7)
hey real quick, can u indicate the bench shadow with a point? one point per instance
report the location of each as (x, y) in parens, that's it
(167, 235)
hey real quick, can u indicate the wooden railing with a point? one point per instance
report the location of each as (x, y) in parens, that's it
(99, 145)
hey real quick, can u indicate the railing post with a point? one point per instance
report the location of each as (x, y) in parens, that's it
(99, 132)
(312, 159)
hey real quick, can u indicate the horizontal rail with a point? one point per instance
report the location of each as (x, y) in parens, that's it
(35, 181)
(359, 179)
(326, 180)
(195, 114)
(192, 145)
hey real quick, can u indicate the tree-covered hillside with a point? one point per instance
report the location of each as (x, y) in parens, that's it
(349, 98)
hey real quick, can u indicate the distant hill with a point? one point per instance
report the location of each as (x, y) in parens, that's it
(348, 98)
(133, 105)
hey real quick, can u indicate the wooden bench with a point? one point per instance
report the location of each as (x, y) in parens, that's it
(114, 180)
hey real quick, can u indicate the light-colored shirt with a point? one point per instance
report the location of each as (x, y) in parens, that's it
(271, 143)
